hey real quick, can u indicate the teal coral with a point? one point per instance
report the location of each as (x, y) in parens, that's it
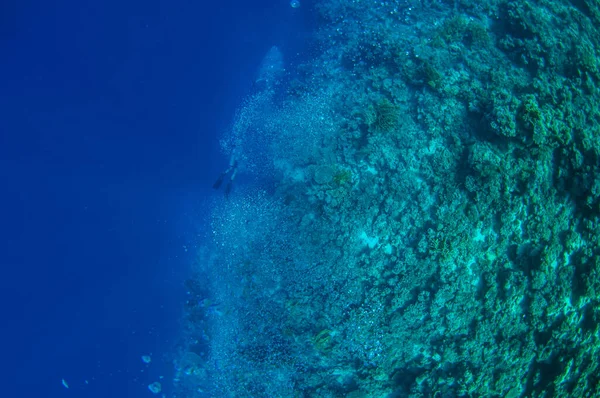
(382, 116)
(464, 144)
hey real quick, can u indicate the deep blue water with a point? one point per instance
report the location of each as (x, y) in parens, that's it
(110, 115)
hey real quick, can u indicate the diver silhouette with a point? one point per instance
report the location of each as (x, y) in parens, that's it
(232, 172)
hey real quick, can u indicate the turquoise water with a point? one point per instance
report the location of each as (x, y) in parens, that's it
(414, 211)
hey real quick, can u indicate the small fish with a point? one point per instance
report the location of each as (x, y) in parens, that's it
(64, 383)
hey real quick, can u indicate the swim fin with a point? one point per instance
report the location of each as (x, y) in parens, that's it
(219, 181)
(227, 189)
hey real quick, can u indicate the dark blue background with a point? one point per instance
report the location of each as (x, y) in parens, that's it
(110, 114)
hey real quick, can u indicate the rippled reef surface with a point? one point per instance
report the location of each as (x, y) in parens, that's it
(422, 218)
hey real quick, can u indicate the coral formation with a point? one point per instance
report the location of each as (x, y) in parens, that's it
(424, 221)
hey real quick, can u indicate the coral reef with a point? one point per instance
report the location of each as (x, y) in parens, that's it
(431, 222)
